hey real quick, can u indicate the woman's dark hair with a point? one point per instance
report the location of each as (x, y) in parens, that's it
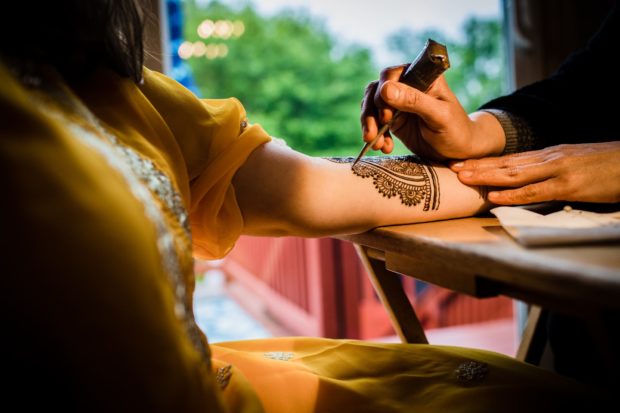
(74, 36)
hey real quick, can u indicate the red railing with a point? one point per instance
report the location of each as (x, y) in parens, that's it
(437, 307)
(318, 287)
(292, 277)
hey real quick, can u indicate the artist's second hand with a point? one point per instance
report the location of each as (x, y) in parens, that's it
(370, 144)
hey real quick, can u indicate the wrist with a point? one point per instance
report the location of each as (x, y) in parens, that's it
(518, 134)
(487, 134)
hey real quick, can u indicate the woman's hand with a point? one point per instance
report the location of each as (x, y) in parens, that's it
(584, 173)
(433, 125)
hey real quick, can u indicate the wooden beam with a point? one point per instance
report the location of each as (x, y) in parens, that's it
(534, 337)
(390, 291)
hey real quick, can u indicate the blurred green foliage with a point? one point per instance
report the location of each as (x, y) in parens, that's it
(301, 84)
(477, 69)
(290, 75)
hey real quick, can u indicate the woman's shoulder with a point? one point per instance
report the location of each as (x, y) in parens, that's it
(163, 90)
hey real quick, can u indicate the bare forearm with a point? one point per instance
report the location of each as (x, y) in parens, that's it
(300, 195)
(388, 190)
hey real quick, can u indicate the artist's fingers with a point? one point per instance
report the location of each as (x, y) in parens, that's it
(405, 98)
(379, 144)
(538, 192)
(369, 129)
(390, 74)
(401, 121)
(368, 107)
(504, 162)
(440, 90)
(368, 117)
(564, 172)
(512, 176)
(388, 145)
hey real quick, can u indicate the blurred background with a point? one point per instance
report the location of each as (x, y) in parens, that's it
(300, 69)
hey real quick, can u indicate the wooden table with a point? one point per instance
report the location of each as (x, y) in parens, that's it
(477, 257)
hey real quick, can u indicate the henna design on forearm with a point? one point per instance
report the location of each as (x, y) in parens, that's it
(408, 177)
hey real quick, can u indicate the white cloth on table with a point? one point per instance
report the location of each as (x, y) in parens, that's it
(567, 226)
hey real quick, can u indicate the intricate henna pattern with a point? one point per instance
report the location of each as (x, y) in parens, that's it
(407, 177)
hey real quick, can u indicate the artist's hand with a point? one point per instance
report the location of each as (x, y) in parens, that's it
(433, 125)
(584, 172)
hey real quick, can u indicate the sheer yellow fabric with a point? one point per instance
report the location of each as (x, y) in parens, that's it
(200, 142)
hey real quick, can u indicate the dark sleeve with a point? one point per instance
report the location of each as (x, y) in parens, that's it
(572, 105)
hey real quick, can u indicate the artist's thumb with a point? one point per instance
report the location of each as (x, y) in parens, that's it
(408, 99)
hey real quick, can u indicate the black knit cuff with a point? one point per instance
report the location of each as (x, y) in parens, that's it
(519, 135)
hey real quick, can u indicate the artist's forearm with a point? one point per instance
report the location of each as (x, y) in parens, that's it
(487, 134)
(282, 192)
